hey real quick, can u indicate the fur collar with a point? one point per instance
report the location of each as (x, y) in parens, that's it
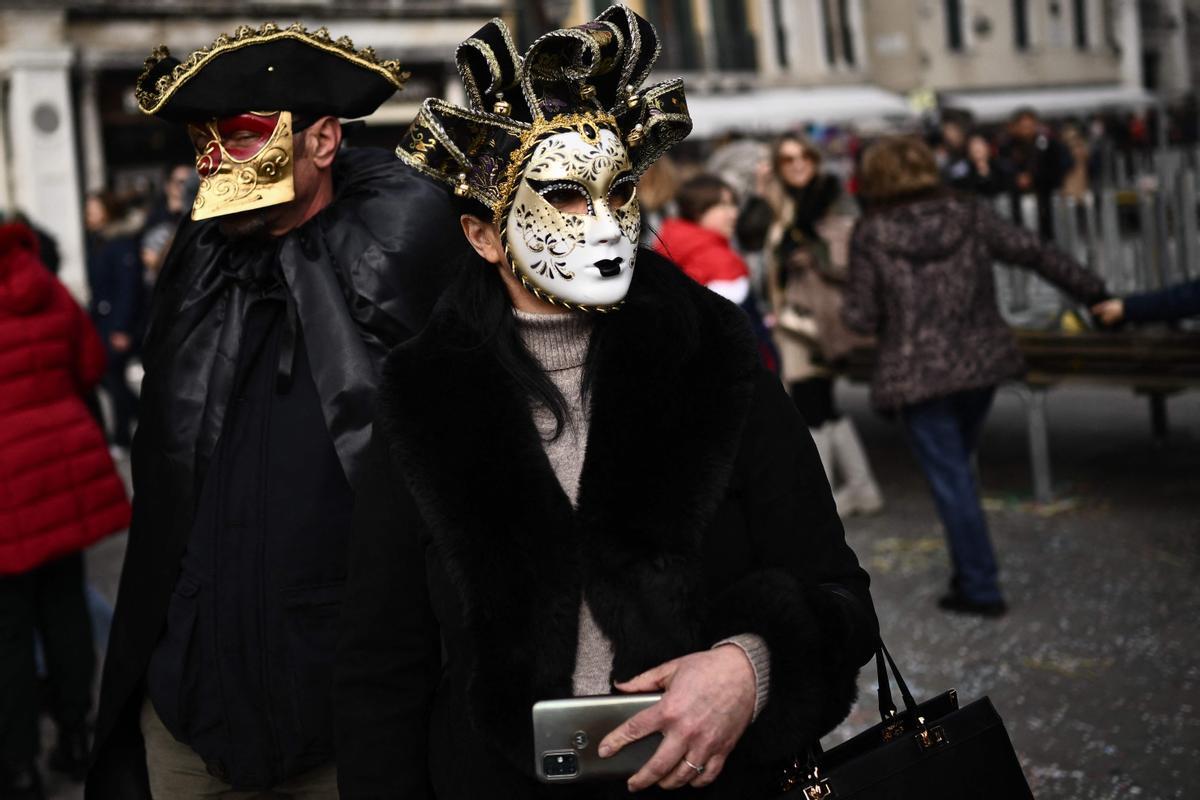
(671, 389)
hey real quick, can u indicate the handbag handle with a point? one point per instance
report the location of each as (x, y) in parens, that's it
(887, 706)
(810, 769)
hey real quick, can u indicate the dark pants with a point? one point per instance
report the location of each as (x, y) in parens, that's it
(124, 401)
(51, 599)
(944, 433)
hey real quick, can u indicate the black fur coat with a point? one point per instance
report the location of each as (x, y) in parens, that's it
(703, 512)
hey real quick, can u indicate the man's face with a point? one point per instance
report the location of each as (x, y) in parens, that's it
(245, 163)
(1025, 128)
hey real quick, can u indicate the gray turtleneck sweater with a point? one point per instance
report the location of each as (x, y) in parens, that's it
(559, 343)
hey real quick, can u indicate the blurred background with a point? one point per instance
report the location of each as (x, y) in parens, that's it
(1120, 69)
(1077, 119)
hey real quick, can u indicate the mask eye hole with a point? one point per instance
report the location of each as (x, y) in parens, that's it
(566, 196)
(201, 138)
(622, 191)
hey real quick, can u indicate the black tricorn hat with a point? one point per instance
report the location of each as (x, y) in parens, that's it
(268, 69)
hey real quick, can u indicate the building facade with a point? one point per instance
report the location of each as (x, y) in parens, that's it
(70, 123)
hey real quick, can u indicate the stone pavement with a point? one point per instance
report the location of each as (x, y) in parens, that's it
(1094, 669)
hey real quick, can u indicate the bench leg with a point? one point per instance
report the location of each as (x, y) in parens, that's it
(1039, 445)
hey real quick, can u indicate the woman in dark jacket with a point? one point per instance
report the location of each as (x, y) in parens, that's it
(921, 280)
(694, 551)
(114, 269)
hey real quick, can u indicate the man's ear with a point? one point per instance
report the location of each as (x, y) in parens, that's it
(323, 138)
(485, 238)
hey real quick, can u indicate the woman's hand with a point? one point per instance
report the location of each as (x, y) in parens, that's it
(707, 704)
(1110, 312)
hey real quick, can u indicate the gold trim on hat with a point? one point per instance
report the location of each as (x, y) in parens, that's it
(151, 99)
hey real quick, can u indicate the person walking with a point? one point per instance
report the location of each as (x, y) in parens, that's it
(114, 270)
(921, 281)
(806, 251)
(61, 493)
(695, 551)
(302, 265)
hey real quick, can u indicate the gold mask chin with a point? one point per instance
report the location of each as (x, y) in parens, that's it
(245, 163)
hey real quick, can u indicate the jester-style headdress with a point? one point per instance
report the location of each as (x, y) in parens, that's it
(584, 79)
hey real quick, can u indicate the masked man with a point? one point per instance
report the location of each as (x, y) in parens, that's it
(304, 263)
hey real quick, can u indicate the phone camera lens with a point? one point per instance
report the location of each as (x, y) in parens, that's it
(560, 765)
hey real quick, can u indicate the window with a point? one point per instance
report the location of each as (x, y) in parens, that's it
(847, 32)
(838, 23)
(673, 20)
(1081, 24)
(955, 39)
(1021, 24)
(736, 47)
(781, 32)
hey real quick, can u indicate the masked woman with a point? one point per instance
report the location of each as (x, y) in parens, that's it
(585, 483)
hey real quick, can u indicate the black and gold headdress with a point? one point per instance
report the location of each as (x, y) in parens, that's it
(269, 67)
(583, 79)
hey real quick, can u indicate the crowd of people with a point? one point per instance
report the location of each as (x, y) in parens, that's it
(386, 409)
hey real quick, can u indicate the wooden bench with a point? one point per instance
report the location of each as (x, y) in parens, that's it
(1152, 362)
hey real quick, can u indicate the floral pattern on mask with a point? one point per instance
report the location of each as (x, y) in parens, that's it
(543, 234)
(558, 251)
(556, 155)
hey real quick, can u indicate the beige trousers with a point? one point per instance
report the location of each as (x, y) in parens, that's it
(177, 773)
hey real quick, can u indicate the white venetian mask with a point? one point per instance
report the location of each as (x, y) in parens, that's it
(572, 229)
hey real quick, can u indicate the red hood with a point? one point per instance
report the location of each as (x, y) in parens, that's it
(704, 255)
(25, 284)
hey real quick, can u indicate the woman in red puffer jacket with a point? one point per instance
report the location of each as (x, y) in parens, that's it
(698, 242)
(59, 493)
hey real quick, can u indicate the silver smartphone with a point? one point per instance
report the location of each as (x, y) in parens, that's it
(567, 735)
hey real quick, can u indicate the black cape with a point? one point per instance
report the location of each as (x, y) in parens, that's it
(362, 276)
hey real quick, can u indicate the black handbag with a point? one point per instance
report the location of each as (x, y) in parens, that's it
(932, 750)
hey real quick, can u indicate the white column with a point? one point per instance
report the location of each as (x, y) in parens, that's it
(702, 24)
(1177, 68)
(91, 137)
(6, 204)
(1128, 27)
(768, 43)
(45, 172)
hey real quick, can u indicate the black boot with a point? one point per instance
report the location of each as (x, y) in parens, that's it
(21, 784)
(70, 756)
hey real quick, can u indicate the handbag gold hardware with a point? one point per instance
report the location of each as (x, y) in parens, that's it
(931, 737)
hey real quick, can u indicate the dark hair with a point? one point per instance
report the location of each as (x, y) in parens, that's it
(699, 194)
(808, 150)
(1023, 112)
(897, 166)
(114, 207)
(479, 298)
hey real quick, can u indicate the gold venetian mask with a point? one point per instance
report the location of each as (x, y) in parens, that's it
(244, 161)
